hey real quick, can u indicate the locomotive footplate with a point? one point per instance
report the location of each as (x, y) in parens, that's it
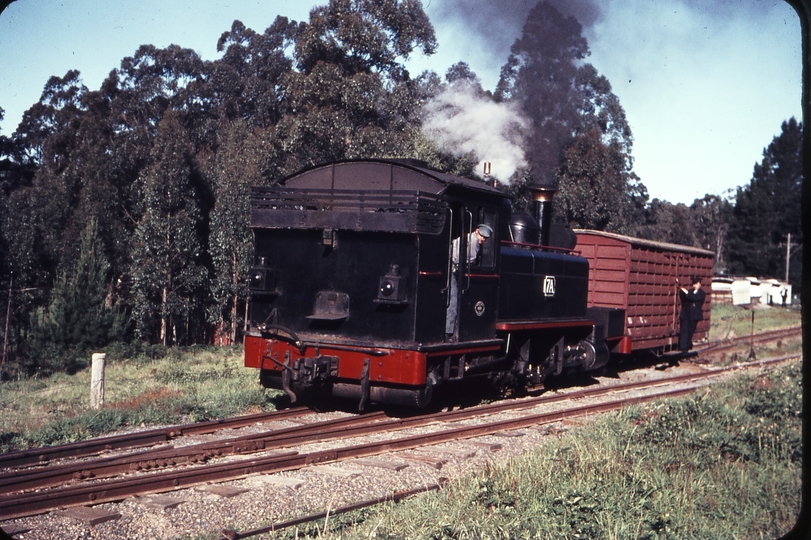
(516, 326)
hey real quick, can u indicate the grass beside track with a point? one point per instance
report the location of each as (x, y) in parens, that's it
(728, 321)
(723, 463)
(174, 386)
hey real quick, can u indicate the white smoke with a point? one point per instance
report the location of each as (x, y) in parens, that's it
(462, 120)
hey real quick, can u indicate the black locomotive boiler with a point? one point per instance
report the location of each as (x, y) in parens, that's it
(353, 283)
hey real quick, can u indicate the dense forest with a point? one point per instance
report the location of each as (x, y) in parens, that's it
(124, 210)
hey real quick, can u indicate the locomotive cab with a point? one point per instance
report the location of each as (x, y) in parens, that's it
(351, 285)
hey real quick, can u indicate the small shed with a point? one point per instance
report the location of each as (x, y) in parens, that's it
(643, 277)
(721, 290)
(741, 292)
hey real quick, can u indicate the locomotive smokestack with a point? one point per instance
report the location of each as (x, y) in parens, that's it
(542, 209)
(487, 180)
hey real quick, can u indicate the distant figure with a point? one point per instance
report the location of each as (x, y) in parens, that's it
(691, 312)
(475, 240)
(783, 295)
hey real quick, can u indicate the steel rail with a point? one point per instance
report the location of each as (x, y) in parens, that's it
(38, 456)
(23, 504)
(43, 455)
(164, 458)
(745, 340)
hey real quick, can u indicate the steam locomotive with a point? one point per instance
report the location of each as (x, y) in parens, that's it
(353, 293)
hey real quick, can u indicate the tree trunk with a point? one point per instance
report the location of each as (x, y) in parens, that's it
(719, 247)
(234, 282)
(164, 315)
(8, 316)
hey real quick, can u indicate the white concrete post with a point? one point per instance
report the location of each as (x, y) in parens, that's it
(97, 381)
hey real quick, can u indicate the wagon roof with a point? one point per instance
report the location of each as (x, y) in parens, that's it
(383, 174)
(665, 246)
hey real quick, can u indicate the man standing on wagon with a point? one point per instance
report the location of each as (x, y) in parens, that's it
(691, 312)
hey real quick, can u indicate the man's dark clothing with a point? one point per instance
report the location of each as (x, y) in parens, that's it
(691, 312)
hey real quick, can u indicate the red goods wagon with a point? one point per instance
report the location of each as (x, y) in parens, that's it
(642, 277)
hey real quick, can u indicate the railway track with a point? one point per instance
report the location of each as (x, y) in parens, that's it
(44, 455)
(743, 341)
(38, 456)
(109, 479)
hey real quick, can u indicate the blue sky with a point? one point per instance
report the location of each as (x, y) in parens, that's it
(705, 84)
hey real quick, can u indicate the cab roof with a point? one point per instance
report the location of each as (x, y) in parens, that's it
(383, 175)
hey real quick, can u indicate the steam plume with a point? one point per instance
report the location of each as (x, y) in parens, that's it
(462, 120)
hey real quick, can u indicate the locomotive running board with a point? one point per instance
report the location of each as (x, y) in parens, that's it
(542, 325)
(482, 345)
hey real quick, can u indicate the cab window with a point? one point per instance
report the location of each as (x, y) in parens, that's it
(487, 254)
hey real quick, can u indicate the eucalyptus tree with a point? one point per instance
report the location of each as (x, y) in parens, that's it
(580, 138)
(664, 221)
(245, 83)
(594, 186)
(235, 168)
(300, 94)
(540, 74)
(167, 268)
(88, 148)
(15, 171)
(37, 205)
(44, 123)
(349, 95)
(710, 217)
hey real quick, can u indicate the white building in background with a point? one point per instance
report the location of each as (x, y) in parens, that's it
(750, 291)
(741, 292)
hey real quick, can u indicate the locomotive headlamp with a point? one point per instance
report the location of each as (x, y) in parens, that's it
(387, 287)
(261, 278)
(391, 287)
(257, 279)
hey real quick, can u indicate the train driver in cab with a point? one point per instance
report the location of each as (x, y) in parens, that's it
(474, 243)
(475, 240)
